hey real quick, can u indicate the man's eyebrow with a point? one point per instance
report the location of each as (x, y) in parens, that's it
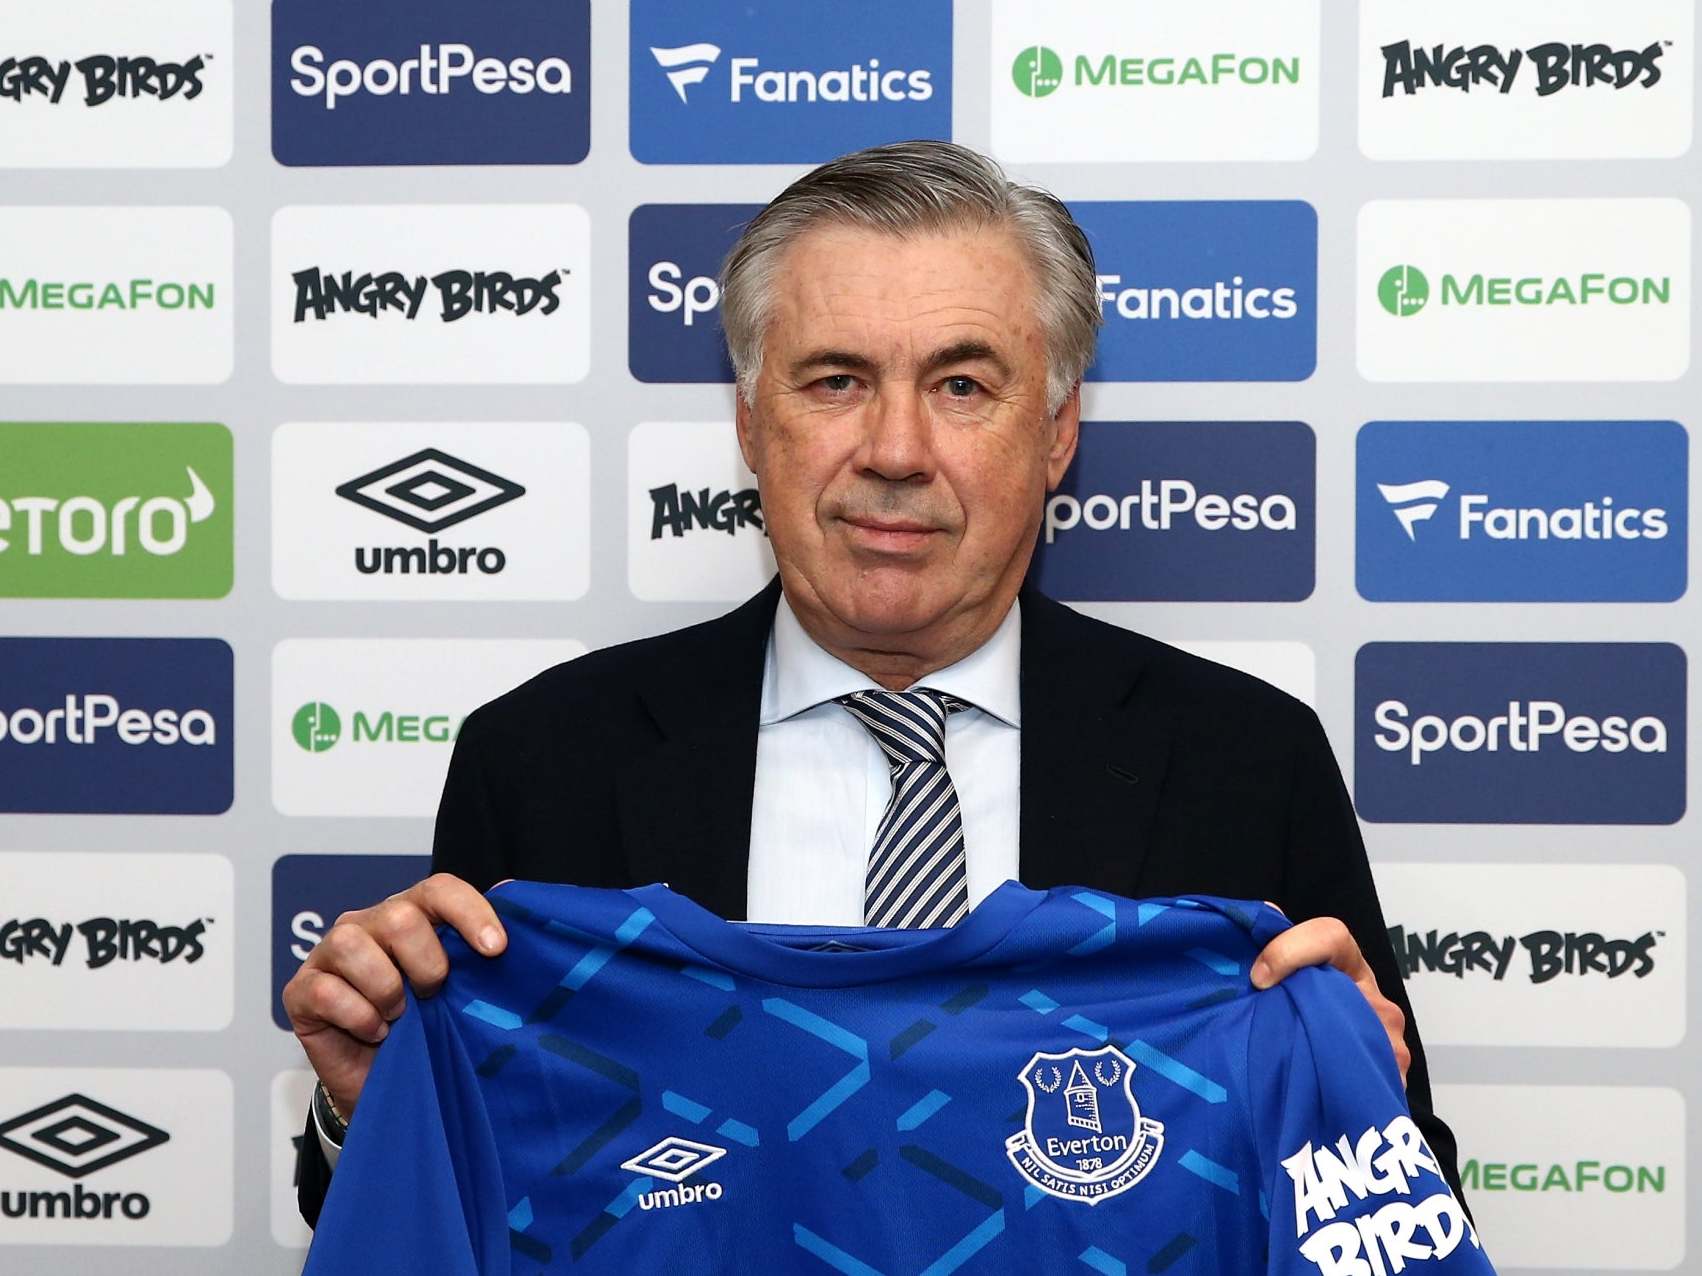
(966, 352)
(832, 359)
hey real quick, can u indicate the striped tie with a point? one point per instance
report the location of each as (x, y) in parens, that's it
(916, 874)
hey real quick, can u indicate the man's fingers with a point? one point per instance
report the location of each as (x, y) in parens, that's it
(354, 955)
(446, 898)
(319, 998)
(1322, 941)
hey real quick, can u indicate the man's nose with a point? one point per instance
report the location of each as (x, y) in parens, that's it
(898, 438)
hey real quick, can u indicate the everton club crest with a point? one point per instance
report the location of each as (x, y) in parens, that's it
(1085, 1139)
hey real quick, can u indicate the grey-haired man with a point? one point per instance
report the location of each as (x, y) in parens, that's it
(909, 329)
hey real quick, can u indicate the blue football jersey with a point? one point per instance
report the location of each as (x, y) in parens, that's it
(1066, 1081)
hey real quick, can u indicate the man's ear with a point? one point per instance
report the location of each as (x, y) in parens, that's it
(1066, 433)
(745, 427)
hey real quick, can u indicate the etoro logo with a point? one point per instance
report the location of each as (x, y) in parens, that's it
(1403, 290)
(316, 727)
(1037, 71)
(115, 511)
(430, 491)
(686, 65)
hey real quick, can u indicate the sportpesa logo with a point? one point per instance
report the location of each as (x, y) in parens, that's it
(1405, 290)
(435, 70)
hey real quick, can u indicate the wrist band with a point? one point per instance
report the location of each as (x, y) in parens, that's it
(338, 1119)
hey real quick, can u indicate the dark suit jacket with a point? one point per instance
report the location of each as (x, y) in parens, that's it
(1145, 772)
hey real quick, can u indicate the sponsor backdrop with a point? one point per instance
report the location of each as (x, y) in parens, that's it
(363, 359)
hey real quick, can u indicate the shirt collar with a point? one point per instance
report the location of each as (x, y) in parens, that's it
(798, 674)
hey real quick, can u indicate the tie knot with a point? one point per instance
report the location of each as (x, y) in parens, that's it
(909, 726)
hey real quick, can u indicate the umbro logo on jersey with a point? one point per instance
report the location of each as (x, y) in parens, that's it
(676, 1159)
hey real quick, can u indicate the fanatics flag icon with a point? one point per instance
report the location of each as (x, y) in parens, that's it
(1085, 1138)
(688, 64)
(1413, 502)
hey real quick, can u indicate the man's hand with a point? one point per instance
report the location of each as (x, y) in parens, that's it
(346, 994)
(1324, 941)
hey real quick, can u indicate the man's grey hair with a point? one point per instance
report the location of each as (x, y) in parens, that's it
(908, 188)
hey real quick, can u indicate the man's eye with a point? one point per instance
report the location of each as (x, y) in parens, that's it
(961, 387)
(838, 383)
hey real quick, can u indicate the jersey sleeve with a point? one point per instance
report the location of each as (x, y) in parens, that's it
(419, 1186)
(1351, 1186)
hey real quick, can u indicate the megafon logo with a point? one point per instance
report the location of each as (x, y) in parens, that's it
(1568, 733)
(686, 65)
(317, 727)
(1037, 71)
(1554, 66)
(115, 511)
(77, 1136)
(1404, 290)
(101, 77)
(430, 491)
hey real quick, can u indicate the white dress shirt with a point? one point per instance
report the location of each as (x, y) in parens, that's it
(822, 783)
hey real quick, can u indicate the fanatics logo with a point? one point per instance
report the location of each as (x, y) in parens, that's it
(1413, 502)
(77, 1136)
(688, 64)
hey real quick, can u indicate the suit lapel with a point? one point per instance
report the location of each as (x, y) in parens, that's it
(685, 806)
(1092, 768)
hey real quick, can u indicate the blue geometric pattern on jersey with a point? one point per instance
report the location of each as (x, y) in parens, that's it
(1065, 1081)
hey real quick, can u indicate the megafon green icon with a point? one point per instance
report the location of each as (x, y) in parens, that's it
(1403, 290)
(316, 727)
(115, 511)
(1037, 71)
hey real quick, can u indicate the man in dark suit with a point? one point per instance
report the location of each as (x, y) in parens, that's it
(895, 724)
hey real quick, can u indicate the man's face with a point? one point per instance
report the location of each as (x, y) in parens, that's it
(899, 433)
